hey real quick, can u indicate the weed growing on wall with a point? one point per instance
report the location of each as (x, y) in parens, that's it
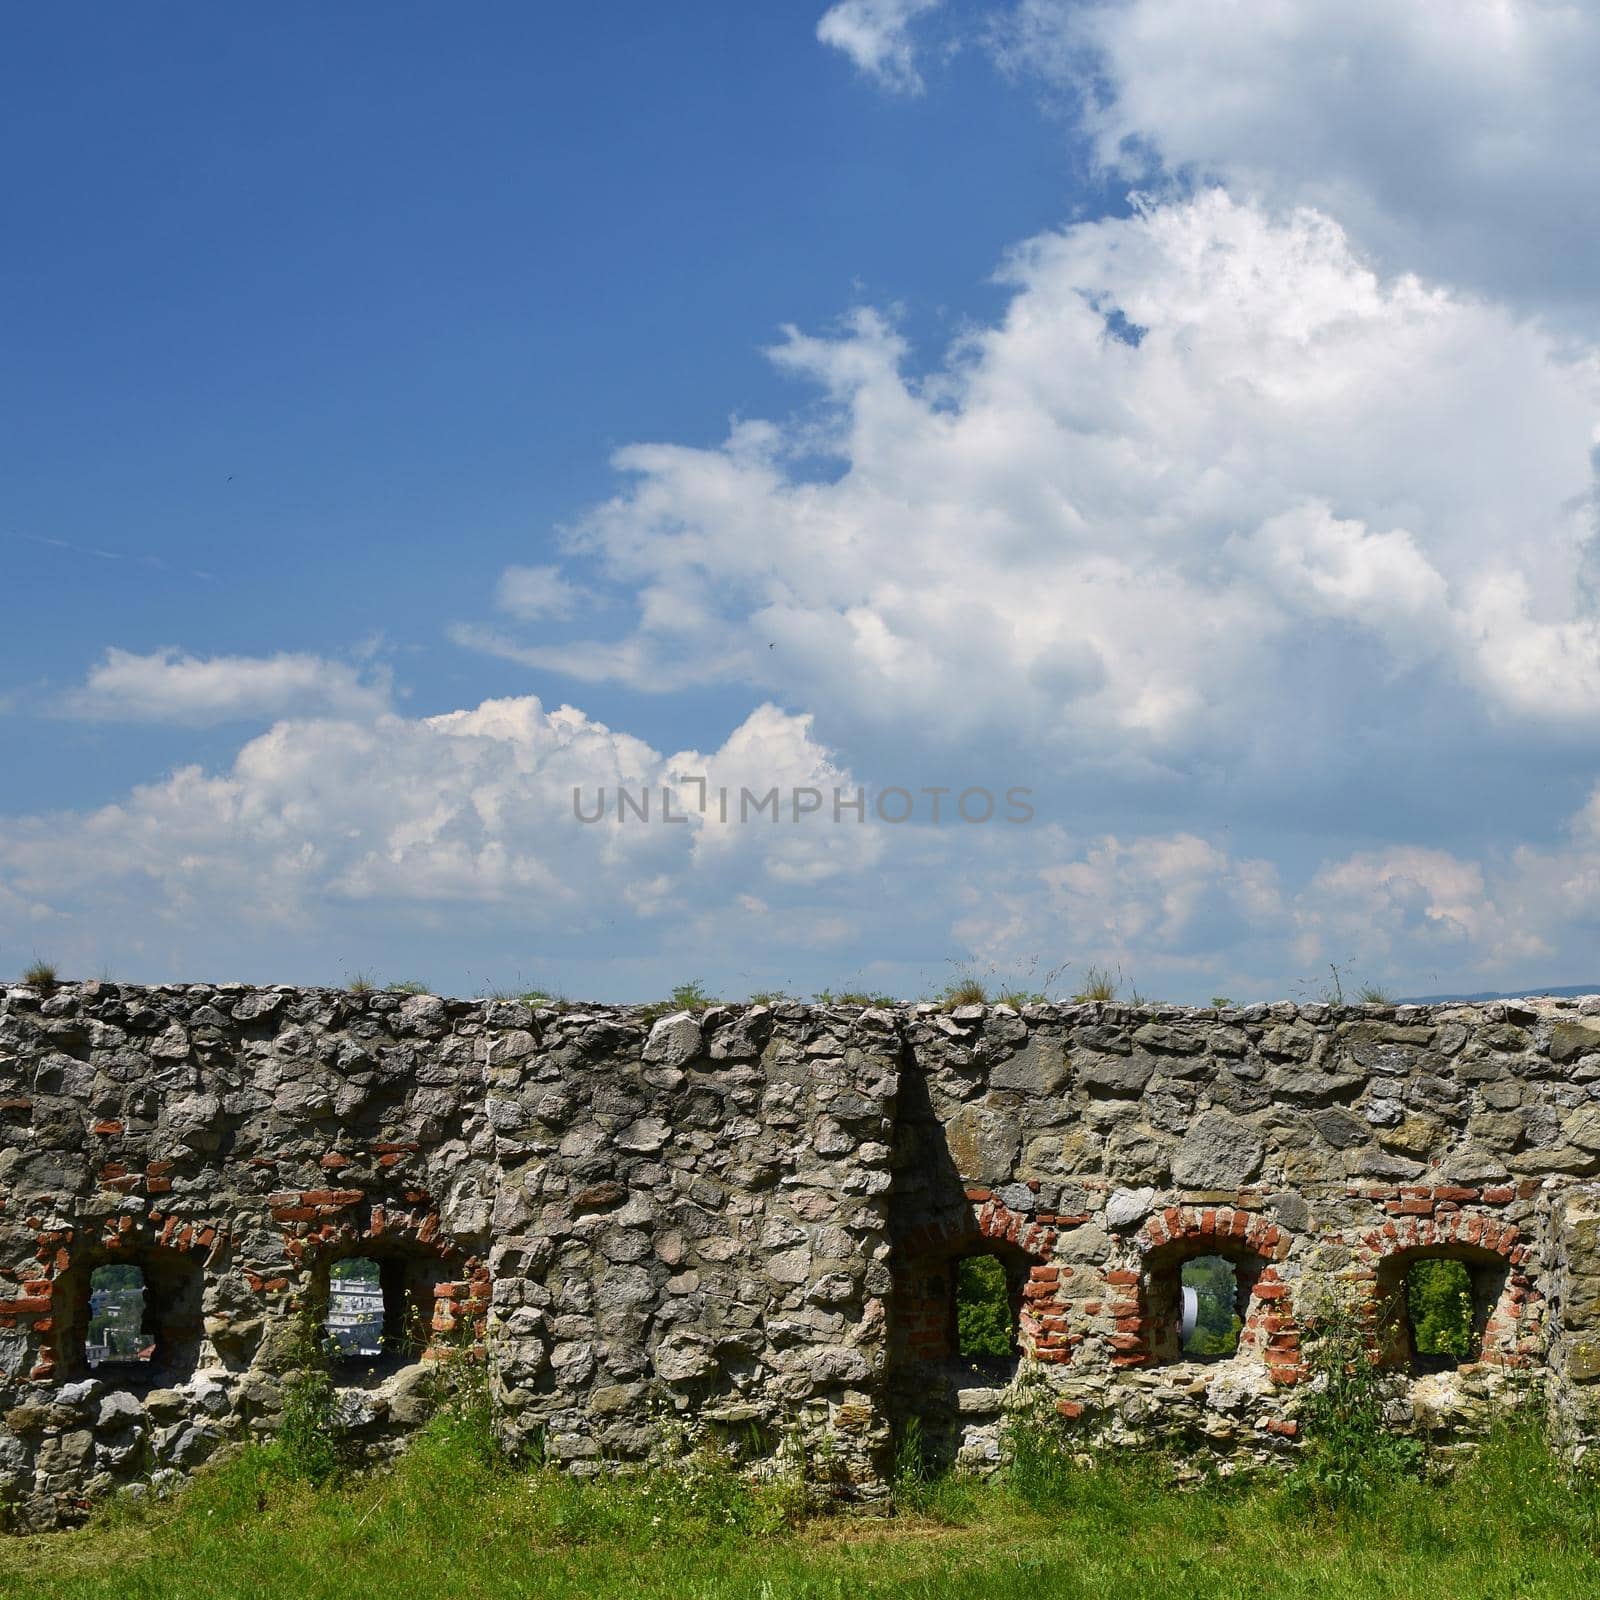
(690, 996)
(310, 1440)
(1097, 984)
(1351, 1450)
(1040, 1458)
(465, 1418)
(965, 989)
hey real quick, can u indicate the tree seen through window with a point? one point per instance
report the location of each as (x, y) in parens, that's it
(1217, 1321)
(117, 1329)
(983, 1308)
(1439, 1304)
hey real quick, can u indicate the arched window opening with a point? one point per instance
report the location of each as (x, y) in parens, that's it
(1211, 1314)
(980, 1307)
(1439, 1305)
(130, 1316)
(1200, 1304)
(378, 1309)
(985, 1292)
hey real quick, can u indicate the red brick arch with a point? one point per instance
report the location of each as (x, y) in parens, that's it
(444, 1284)
(924, 1294)
(1389, 1251)
(1140, 1295)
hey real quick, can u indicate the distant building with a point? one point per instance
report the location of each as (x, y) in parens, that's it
(116, 1326)
(355, 1316)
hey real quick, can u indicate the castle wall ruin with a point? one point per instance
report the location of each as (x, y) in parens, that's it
(753, 1218)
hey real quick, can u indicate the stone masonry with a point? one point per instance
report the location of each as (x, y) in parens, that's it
(750, 1219)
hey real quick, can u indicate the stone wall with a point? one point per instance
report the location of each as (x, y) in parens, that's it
(751, 1219)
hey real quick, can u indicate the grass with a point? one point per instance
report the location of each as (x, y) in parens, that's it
(1098, 984)
(690, 996)
(1018, 998)
(520, 994)
(446, 1520)
(1333, 992)
(997, 985)
(965, 989)
(41, 975)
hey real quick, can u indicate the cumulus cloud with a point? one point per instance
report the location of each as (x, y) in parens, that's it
(1180, 914)
(1155, 906)
(170, 686)
(876, 35)
(454, 834)
(1455, 137)
(1207, 454)
(473, 809)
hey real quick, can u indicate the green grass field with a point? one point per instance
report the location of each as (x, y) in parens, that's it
(1512, 1525)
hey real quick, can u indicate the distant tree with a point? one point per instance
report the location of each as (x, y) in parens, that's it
(983, 1308)
(116, 1275)
(1439, 1300)
(1217, 1323)
(116, 1299)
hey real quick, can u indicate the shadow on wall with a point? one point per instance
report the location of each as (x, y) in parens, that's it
(972, 1282)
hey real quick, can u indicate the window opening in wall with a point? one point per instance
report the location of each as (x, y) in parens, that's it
(133, 1319)
(1445, 1305)
(985, 1322)
(1211, 1320)
(1197, 1307)
(121, 1326)
(357, 1314)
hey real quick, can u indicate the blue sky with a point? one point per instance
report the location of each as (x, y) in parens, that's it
(347, 310)
(755, 382)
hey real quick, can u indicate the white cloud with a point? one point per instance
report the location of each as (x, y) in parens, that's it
(169, 686)
(876, 35)
(1178, 914)
(1375, 897)
(475, 807)
(1127, 901)
(1205, 456)
(1456, 137)
(421, 842)
(532, 593)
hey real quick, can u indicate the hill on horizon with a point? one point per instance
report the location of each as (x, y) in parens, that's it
(1568, 991)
